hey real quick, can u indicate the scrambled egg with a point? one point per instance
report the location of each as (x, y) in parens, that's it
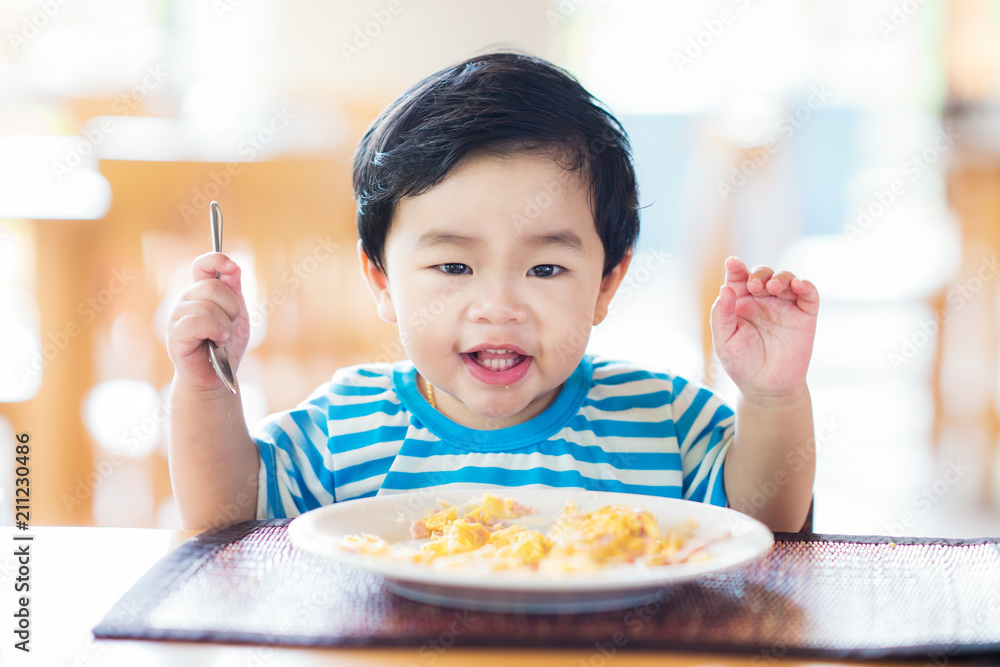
(482, 535)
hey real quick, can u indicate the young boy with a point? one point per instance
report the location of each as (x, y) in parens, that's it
(497, 211)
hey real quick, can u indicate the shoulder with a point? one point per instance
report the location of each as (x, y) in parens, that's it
(625, 377)
(619, 379)
(363, 391)
(355, 385)
(363, 378)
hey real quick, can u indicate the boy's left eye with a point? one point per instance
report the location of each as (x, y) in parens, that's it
(545, 270)
(453, 268)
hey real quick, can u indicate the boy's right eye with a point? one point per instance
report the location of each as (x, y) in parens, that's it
(454, 269)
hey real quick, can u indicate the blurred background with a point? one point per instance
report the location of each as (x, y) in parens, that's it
(856, 142)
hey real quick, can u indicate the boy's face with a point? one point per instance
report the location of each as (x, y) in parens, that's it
(494, 279)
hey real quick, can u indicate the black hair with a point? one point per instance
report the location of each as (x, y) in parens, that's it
(499, 102)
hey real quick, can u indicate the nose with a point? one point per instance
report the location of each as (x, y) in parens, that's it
(498, 303)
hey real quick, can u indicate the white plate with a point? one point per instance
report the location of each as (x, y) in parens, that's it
(321, 530)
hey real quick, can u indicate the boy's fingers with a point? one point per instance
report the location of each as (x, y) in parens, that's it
(807, 296)
(778, 285)
(736, 276)
(723, 315)
(207, 265)
(229, 272)
(759, 276)
(207, 310)
(215, 292)
(195, 328)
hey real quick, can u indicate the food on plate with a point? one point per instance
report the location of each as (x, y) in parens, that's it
(483, 533)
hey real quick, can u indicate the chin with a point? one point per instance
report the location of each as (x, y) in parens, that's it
(495, 411)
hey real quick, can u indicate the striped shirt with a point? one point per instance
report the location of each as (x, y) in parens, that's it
(613, 427)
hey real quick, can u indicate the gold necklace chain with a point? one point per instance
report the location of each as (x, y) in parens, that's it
(430, 393)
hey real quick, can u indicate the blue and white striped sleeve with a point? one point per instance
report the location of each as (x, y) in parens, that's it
(294, 474)
(705, 430)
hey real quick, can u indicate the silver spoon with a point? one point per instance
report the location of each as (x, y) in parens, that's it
(217, 355)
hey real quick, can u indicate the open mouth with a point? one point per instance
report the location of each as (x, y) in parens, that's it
(497, 360)
(497, 365)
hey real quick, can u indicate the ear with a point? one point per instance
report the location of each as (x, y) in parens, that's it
(378, 285)
(609, 285)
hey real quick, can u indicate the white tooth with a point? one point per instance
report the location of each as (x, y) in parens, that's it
(498, 364)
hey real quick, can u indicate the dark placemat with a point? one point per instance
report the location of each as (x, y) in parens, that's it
(812, 595)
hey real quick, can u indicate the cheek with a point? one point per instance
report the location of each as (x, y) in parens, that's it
(431, 313)
(567, 326)
(566, 320)
(575, 301)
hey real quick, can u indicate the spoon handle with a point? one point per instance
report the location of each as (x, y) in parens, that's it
(217, 355)
(215, 212)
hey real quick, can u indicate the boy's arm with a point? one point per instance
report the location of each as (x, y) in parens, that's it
(213, 460)
(771, 464)
(763, 325)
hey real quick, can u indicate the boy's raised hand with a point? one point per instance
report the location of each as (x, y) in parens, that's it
(209, 309)
(763, 326)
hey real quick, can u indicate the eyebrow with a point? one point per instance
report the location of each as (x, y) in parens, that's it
(562, 239)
